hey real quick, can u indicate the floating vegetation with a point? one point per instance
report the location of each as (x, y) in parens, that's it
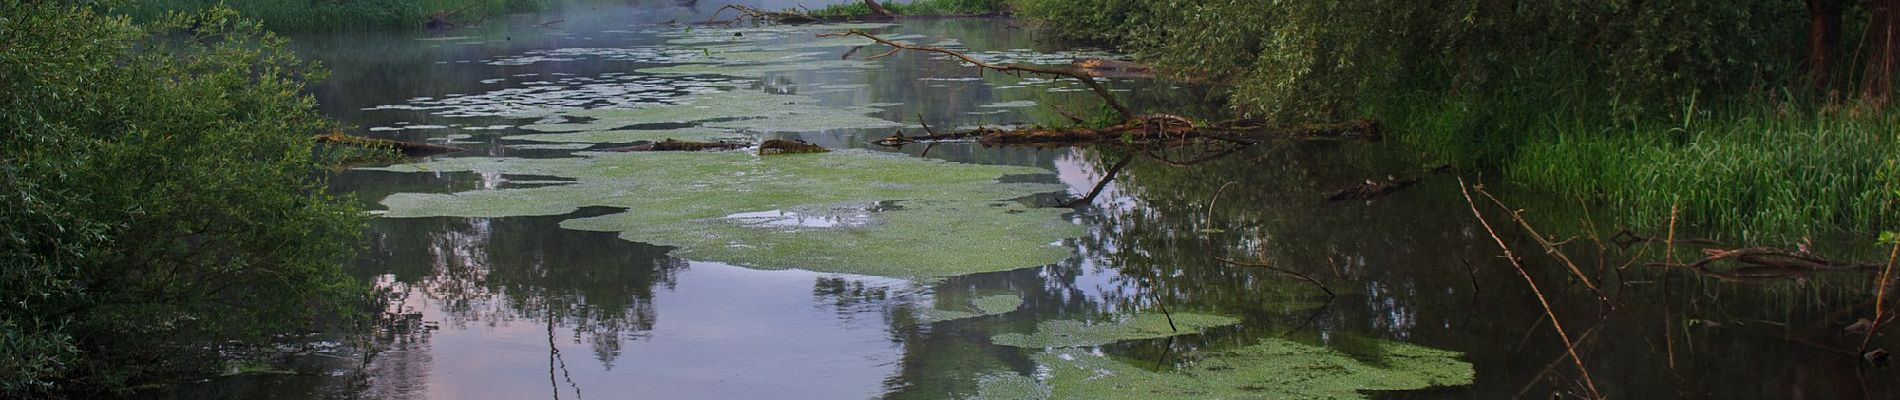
(716, 113)
(543, 98)
(1272, 369)
(655, 55)
(1011, 104)
(978, 307)
(910, 217)
(633, 135)
(1027, 56)
(705, 36)
(754, 70)
(1069, 333)
(550, 146)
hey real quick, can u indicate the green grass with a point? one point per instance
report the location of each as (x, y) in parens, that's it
(1753, 172)
(917, 7)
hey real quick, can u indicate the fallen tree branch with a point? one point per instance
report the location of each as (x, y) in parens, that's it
(1371, 189)
(1771, 257)
(1551, 249)
(1100, 91)
(1108, 176)
(1625, 239)
(680, 145)
(410, 149)
(1569, 345)
(1156, 128)
(781, 146)
(1304, 277)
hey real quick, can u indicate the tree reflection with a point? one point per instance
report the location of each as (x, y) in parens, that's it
(496, 271)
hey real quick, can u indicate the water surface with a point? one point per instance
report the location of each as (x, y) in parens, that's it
(519, 307)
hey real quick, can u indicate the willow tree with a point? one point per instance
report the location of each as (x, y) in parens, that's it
(160, 197)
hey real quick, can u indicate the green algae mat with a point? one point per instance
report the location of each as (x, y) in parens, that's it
(1066, 333)
(848, 211)
(1271, 369)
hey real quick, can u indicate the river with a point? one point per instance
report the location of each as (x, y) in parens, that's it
(549, 290)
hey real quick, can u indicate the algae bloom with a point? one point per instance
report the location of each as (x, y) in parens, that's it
(1271, 369)
(848, 211)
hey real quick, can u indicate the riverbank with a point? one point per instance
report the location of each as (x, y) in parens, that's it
(1697, 115)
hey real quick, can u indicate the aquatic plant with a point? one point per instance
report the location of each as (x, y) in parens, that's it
(1071, 333)
(978, 307)
(713, 115)
(847, 211)
(1274, 368)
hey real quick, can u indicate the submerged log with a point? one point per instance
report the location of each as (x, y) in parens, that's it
(410, 149)
(681, 145)
(1372, 189)
(781, 146)
(1105, 68)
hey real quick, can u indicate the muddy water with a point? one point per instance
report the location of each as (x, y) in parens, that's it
(520, 307)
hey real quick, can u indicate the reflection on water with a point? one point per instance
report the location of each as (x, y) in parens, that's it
(512, 308)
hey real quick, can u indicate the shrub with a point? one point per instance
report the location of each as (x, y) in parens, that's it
(160, 196)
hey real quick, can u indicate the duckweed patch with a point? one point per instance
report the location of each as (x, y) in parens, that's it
(717, 113)
(949, 219)
(698, 134)
(754, 70)
(981, 306)
(1070, 333)
(1273, 369)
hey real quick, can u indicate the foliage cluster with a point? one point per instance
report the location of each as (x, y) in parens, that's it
(328, 15)
(160, 196)
(1695, 104)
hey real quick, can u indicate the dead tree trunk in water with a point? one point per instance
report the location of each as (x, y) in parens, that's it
(1824, 42)
(878, 9)
(1883, 56)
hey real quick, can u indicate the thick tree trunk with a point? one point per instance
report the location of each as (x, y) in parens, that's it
(877, 9)
(1883, 55)
(1824, 41)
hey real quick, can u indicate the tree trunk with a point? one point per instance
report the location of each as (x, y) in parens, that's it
(1824, 42)
(877, 9)
(1883, 56)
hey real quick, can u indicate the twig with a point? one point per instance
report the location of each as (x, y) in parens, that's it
(1304, 277)
(1106, 178)
(1551, 249)
(1880, 297)
(1569, 346)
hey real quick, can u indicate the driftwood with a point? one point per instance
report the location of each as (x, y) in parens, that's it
(1767, 257)
(1154, 128)
(1625, 239)
(1372, 189)
(878, 9)
(1105, 68)
(1100, 91)
(781, 146)
(681, 145)
(410, 149)
(444, 19)
(755, 14)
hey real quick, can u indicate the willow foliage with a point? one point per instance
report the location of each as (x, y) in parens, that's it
(1304, 60)
(159, 195)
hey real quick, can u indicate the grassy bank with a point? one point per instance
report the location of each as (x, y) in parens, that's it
(1696, 106)
(338, 15)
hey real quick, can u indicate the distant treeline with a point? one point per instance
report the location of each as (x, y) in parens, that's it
(336, 15)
